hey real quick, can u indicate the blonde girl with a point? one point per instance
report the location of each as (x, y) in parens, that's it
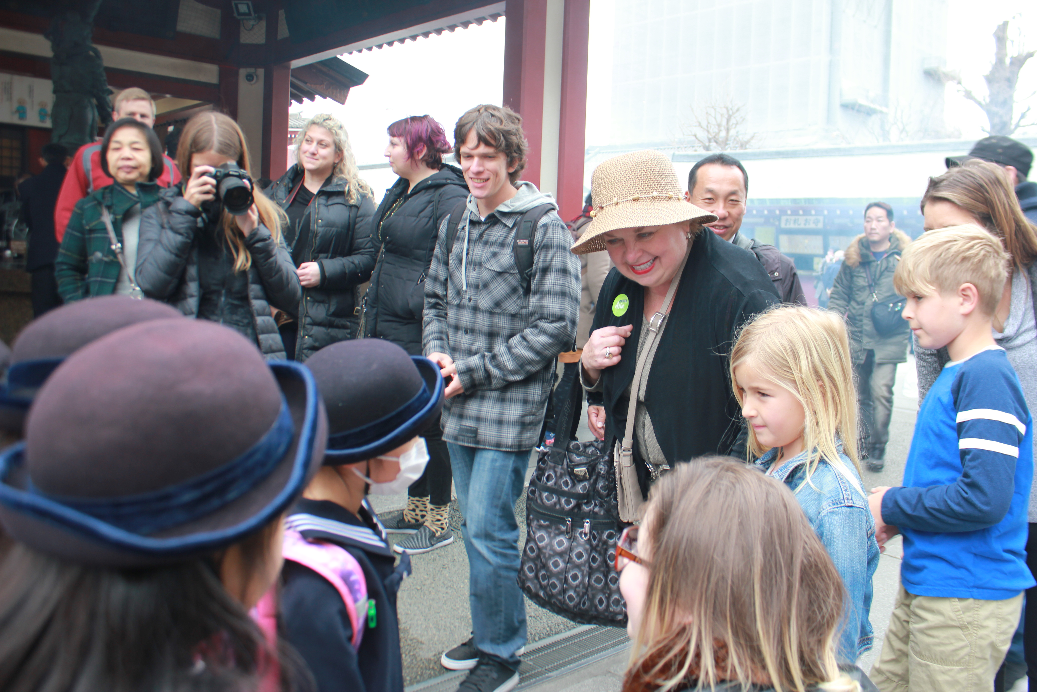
(721, 609)
(207, 262)
(793, 377)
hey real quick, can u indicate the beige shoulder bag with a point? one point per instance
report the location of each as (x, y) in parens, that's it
(628, 490)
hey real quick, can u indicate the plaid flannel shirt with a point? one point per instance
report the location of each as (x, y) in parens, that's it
(503, 342)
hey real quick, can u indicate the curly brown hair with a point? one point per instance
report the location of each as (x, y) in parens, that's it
(498, 127)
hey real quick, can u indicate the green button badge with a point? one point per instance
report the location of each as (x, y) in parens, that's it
(620, 305)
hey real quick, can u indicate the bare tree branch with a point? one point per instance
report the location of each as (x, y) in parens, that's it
(717, 126)
(1001, 80)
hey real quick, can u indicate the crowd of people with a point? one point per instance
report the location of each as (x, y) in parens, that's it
(192, 437)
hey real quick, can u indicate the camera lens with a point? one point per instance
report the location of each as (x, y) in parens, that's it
(236, 195)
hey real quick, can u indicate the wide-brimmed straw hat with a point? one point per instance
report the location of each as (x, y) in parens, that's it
(158, 443)
(377, 396)
(45, 343)
(635, 190)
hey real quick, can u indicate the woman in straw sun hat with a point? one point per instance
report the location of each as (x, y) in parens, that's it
(691, 289)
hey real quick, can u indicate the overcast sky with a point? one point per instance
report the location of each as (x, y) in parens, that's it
(445, 75)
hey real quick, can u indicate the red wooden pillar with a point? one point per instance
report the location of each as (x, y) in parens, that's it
(573, 121)
(276, 101)
(524, 73)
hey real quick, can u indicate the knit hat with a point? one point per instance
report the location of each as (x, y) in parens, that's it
(632, 191)
(158, 443)
(377, 397)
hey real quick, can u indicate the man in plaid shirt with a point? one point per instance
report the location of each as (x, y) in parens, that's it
(497, 346)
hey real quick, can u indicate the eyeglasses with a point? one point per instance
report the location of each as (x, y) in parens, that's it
(625, 549)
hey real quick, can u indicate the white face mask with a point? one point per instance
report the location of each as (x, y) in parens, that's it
(412, 465)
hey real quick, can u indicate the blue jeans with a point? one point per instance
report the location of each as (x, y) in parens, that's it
(488, 484)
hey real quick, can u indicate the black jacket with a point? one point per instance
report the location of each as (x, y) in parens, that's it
(167, 267)
(346, 254)
(779, 267)
(396, 298)
(689, 397)
(315, 619)
(39, 197)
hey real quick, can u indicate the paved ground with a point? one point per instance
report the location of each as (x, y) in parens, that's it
(434, 613)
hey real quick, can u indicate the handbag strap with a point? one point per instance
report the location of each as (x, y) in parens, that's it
(655, 327)
(117, 246)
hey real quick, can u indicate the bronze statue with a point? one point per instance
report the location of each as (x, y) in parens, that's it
(81, 95)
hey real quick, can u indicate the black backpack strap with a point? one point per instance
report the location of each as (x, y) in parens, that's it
(522, 247)
(456, 215)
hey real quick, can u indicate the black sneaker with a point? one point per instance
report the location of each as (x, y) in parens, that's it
(490, 676)
(465, 656)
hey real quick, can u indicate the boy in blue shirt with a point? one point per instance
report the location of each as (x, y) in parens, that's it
(962, 508)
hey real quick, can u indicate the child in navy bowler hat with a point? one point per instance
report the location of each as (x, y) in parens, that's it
(340, 579)
(146, 506)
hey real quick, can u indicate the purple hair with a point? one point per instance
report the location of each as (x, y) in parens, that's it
(422, 130)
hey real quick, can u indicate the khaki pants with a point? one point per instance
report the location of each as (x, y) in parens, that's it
(952, 644)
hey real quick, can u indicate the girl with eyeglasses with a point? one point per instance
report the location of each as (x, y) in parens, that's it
(714, 607)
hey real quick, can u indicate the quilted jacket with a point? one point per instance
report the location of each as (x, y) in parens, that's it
(346, 254)
(407, 226)
(167, 266)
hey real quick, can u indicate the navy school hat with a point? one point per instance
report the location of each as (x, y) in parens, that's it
(158, 443)
(377, 397)
(47, 341)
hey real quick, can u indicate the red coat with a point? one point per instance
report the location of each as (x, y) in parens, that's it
(85, 176)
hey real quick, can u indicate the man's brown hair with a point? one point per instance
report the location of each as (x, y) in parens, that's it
(498, 127)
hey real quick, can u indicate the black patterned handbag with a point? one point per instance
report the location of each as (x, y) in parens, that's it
(572, 526)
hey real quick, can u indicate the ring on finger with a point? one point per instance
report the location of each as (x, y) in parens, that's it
(608, 353)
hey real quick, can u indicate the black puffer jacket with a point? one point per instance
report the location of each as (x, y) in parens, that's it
(346, 254)
(396, 298)
(167, 266)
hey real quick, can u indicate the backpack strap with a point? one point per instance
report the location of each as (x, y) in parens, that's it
(456, 217)
(339, 568)
(522, 246)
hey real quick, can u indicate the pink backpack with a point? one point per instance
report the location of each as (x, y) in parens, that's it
(338, 567)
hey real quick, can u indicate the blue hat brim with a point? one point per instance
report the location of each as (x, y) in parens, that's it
(396, 429)
(56, 529)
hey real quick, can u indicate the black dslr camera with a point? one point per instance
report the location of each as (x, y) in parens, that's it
(233, 188)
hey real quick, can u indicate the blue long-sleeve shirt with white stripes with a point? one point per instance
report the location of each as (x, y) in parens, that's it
(963, 505)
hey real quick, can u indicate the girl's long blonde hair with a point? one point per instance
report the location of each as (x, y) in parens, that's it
(740, 588)
(218, 133)
(807, 352)
(346, 167)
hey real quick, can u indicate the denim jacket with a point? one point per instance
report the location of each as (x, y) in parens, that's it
(838, 511)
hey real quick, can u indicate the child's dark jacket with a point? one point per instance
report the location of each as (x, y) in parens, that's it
(314, 617)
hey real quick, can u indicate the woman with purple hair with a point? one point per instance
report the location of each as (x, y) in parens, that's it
(406, 226)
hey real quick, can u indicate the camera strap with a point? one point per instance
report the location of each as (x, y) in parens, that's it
(135, 291)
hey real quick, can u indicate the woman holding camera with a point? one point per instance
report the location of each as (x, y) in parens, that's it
(329, 233)
(207, 250)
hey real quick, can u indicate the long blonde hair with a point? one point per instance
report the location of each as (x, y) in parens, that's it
(807, 352)
(346, 167)
(218, 133)
(739, 587)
